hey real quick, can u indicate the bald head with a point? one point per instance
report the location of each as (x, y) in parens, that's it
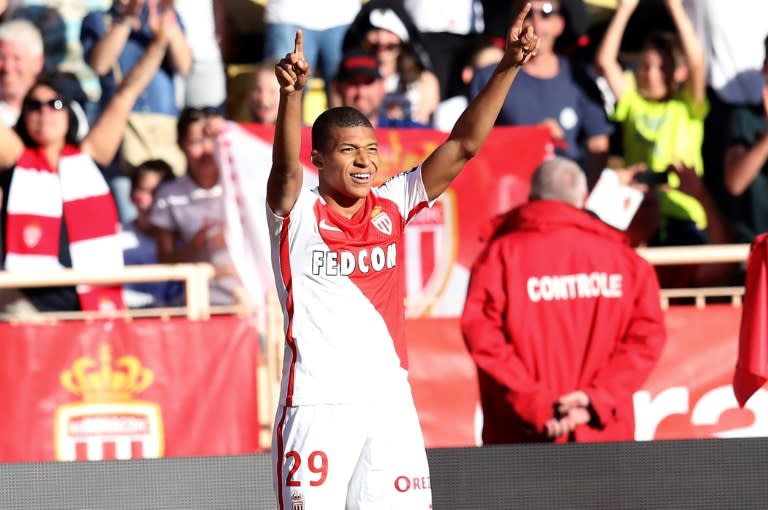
(559, 179)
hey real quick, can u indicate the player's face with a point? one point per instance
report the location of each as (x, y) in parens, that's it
(347, 165)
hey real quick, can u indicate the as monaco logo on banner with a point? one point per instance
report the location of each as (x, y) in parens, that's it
(430, 250)
(108, 423)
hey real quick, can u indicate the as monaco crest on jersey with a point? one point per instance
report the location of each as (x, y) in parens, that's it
(108, 423)
(381, 221)
(430, 251)
(297, 501)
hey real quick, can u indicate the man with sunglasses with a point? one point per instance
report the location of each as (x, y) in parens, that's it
(558, 94)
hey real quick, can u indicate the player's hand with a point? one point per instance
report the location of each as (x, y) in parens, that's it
(522, 42)
(293, 71)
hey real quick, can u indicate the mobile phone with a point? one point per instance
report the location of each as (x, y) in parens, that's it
(652, 178)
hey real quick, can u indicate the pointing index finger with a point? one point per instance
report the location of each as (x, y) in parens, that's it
(299, 46)
(520, 19)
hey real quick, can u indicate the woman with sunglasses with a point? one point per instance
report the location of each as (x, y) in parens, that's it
(57, 210)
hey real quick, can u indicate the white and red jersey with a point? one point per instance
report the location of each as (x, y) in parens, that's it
(341, 285)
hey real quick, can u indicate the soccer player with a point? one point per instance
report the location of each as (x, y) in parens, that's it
(346, 431)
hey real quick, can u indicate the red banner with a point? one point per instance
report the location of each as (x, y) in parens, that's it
(121, 390)
(688, 396)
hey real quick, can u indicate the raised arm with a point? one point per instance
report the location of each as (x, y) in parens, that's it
(694, 53)
(472, 128)
(106, 51)
(103, 140)
(607, 59)
(11, 147)
(179, 52)
(285, 177)
(743, 163)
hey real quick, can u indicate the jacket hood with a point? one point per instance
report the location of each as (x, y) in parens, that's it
(547, 215)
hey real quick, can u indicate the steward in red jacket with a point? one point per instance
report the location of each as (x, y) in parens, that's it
(564, 324)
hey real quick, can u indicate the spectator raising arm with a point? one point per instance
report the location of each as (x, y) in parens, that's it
(103, 140)
(742, 163)
(178, 49)
(105, 53)
(11, 147)
(607, 58)
(696, 81)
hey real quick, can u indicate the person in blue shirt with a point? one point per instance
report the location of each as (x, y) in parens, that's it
(557, 93)
(114, 40)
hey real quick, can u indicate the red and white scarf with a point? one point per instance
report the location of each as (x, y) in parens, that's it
(39, 197)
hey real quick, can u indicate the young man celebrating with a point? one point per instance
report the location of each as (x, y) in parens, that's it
(346, 431)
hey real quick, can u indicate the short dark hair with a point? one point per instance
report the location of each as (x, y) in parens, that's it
(190, 115)
(667, 44)
(338, 117)
(158, 166)
(58, 84)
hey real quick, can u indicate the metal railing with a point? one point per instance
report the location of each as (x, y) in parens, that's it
(704, 254)
(197, 276)
(194, 276)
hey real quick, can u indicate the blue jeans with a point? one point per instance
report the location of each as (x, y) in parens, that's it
(323, 46)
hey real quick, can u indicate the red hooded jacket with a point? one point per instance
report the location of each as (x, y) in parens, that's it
(558, 302)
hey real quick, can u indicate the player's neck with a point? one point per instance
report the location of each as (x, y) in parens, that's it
(344, 206)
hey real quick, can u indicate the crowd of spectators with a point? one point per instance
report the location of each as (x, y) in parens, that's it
(689, 102)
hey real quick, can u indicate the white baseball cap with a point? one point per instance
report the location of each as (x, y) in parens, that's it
(387, 19)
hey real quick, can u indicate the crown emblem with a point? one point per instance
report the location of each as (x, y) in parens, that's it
(107, 382)
(375, 211)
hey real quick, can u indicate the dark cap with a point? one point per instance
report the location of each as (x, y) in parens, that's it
(358, 63)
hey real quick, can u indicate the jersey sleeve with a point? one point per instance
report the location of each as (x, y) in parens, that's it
(407, 191)
(298, 213)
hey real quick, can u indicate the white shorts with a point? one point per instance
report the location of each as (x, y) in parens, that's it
(350, 456)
